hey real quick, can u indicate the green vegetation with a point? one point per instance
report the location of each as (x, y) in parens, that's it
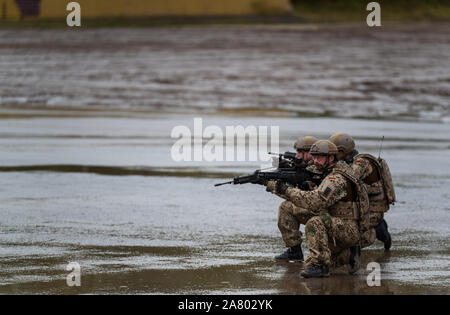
(355, 10)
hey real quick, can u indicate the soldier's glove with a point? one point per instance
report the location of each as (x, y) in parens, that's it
(271, 186)
(281, 187)
(309, 185)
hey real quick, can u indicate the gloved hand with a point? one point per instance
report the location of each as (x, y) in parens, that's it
(277, 187)
(271, 186)
(281, 187)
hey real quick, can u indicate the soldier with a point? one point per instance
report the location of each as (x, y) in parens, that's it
(338, 211)
(302, 146)
(289, 216)
(368, 168)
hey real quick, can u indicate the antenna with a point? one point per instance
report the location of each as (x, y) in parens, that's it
(381, 145)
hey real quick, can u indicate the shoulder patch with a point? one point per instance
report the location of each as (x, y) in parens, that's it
(332, 178)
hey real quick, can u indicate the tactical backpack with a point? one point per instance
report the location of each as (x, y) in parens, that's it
(385, 175)
(362, 215)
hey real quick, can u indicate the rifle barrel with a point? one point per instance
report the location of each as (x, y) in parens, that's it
(220, 184)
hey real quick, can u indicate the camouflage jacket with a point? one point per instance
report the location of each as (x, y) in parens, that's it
(361, 167)
(332, 189)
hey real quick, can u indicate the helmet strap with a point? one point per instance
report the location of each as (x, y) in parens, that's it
(329, 163)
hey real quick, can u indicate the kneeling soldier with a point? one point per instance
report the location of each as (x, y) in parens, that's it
(339, 209)
(289, 216)
(376, 176)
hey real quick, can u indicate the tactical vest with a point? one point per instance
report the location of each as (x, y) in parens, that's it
(379, 184)
(355, 206)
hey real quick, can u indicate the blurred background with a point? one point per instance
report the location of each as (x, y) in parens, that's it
(86, 115)
(122, 12)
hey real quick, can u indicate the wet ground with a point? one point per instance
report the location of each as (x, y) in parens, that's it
(85, 124)
(150, 225)
(394, 71)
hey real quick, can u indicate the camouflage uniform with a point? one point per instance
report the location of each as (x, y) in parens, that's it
(289, 219)
(290, 216)
(332, 226)
(364, 169)
(378, 181)
(330, 237)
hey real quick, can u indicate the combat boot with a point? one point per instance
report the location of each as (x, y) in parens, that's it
(355, 259)
(292, 253)
(316, 271)
(383, 234)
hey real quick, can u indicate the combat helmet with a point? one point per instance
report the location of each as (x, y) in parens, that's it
(323, 147)
(305, 143)
(344, 142)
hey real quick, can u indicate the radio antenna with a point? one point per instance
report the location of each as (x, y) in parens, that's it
(381, 145)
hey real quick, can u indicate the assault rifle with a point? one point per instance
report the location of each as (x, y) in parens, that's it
(293, 176)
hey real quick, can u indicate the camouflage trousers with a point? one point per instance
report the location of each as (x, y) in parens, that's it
(376, 218)
(342, 258)
(289, 219)
(329, 239)
(367, 239)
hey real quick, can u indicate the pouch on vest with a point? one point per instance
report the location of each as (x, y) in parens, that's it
(362, 211)
(386, 177)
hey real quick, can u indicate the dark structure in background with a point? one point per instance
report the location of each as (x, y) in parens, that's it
(29, 7)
